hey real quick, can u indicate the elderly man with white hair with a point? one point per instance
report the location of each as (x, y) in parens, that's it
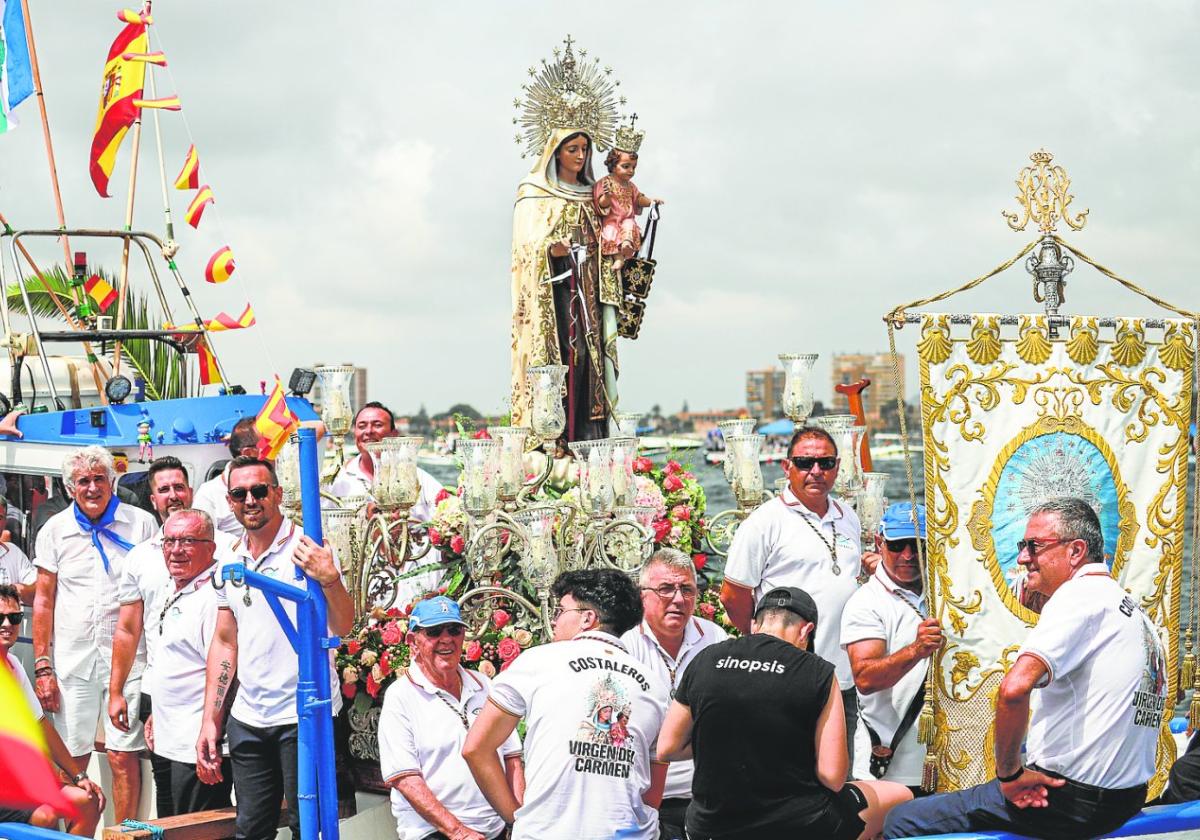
(80, 558)
(666, 641)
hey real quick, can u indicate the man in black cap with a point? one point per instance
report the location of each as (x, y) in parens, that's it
(762, 717)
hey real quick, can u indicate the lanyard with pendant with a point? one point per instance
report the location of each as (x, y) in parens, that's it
(832, 546)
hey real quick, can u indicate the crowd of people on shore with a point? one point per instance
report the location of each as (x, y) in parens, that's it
(641, 719)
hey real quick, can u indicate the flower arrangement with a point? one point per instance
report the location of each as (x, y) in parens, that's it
(499, 645)
(678, 500)
(709, 606)
(447, 527)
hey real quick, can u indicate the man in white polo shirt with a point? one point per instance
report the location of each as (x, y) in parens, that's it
(592, 714)
(667, 640)
(262, 726)
(212, 496)
(803, 538)
(81, 554)
(1099, 670)
(426, 713)
(16, 569)
(889, 638)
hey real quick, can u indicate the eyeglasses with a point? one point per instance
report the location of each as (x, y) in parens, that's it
(452, 630)
(667, 590)
(806, 463)
(182, 542)
(558, 611)
(13, 618)
(1036, 547)
(258, 491)
(898, 546)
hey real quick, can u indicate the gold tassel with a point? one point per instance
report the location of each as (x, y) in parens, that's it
(1194, 713)
(925, 730)
(1188, 674)
(929, 772)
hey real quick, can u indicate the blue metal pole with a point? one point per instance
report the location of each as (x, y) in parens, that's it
(317, 646)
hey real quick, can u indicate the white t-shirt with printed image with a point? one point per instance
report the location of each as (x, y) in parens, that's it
(15, 567)
(1098, 718)
(592, 714)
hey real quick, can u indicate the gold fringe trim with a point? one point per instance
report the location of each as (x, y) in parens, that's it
(929, 772)
(925, 727)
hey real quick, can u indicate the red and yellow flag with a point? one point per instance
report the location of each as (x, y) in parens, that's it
(274, 423)
(29, 781)
(210, 374)
(165, 103)
(189, 175)
(156, 58)
(221, 323)
(220, 266)
(100, 291)
(204, 197)
(130, 16)
(121, 89)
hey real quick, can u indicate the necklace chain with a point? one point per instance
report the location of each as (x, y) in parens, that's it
(188, 587)
(831, 545)
(460, 713)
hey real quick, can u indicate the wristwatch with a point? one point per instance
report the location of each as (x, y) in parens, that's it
(76, 779)
(1006, 779)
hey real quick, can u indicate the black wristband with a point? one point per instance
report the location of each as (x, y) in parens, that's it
(1006, 779)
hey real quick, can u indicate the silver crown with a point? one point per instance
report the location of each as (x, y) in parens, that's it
(628, 138)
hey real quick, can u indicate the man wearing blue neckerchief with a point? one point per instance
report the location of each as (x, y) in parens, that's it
(80, 557)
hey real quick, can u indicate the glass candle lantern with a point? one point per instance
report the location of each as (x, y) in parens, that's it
(747, 472)
(539, 562)
(480, 475)
(512, 458)
(741, 426)
(600, 475)
(581, 449)
(625, 424)
(624, 450)
(797, 399)
(335, 398)
(287, 472)
(395, 485)
(872, 502)
(339, 527)
(549, 417)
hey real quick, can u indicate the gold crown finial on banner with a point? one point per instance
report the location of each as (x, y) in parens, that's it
(628, 138)
(1043, 193)
(571, 92)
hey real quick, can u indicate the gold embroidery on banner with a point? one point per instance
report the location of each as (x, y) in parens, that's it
(935, 339)
(984, 346)
(1034, 344)
(1084, 343)
(1176, 350)
(1130, 347)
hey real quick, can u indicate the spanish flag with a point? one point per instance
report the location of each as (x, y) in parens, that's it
(158, 59)
(274, 423)
(119, 93)
(100, 291)
(166, 103)
(189, 175)
(221, 323)
(220, 266)
(130, 16)
(210, 374)
(29, 780)
(204, 197)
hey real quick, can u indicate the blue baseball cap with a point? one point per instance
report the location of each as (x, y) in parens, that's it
(433, 612)
(897, 522)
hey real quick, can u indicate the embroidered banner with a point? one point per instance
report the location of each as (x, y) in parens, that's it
(1012, 418)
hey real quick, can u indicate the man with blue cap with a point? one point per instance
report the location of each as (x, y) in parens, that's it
(426, 714)
(889, 639)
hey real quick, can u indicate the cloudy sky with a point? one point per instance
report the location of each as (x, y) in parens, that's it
(821, 163)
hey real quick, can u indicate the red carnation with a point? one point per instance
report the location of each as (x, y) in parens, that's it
(349, 690)
(500, 618)
(391, 634)
(372, 686)
(435, 536)
(353, 647)
(706, 610)
(393, 612)
(672, 482)
(681, 513)
(673, 467)
(473, 652)
(662, 529)
(699, 561)
(457, 544)
(482, 434)
(508, 649)
(441, 496)
(385, 663)
(642, 465)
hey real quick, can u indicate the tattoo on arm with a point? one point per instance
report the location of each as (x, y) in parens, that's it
(222, 685)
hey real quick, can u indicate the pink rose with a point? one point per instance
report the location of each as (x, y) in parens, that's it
(500, 618)
(508, 649)
(671, 483)
(690, 476)
(487, 669)
(642, 465)
(699, 561)
(662, 528)
(457, 544)
(681, 512)
(391, 634)
(673, 467)
(435, 536)
(349, 690)
(706, 610)
(473, 652)
(441, 496)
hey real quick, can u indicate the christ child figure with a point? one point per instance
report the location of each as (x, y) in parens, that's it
(618, 200)
(145, 443)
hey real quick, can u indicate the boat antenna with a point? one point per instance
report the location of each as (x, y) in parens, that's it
(170, 246)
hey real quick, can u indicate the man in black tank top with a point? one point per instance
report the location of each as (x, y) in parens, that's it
(751, 708)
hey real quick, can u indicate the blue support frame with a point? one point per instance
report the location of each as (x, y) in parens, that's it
(317, 780)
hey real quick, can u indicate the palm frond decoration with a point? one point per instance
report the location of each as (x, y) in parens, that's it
(162, 369)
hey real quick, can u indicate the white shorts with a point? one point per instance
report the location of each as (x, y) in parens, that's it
(85, 704)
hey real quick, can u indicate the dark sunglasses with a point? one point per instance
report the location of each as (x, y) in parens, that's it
(1036, 547)
(452, 630)
(897, 546)
(258, 491)
(806, 463)
(12, 618)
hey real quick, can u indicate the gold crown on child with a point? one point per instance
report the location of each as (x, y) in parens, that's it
(568, 93)
(628, 138)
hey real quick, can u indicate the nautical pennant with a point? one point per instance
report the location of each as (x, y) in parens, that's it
(121, 88)
(274, 423)
(130, 16)
(210, 374)
(100, 291)
(16, 72)
(222, 322)
(220, 266)
(195, 210)
(158, 59)
(189, 175)
(165, 103)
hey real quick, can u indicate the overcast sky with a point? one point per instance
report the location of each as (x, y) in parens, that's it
(821, 162)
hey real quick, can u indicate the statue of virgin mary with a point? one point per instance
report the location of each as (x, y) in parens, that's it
(563, 312)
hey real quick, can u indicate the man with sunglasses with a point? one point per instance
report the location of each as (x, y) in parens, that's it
(803, 538)
(426, 714)
(81, 554)
(212, 496)
(1094, 672)
(592, 714)
(667, 640)
(889, 638)
(251, 650)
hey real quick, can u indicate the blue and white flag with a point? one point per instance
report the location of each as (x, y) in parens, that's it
(16, 73)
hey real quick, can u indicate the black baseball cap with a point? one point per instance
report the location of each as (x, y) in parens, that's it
(789, 598)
